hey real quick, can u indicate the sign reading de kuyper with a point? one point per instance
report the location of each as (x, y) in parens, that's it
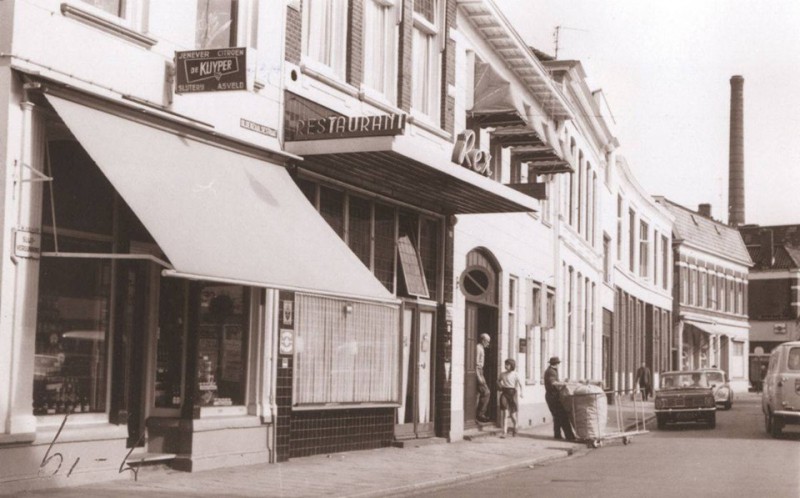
(346, 127)
(210, 70)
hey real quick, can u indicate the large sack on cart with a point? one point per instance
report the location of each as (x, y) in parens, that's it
(588, 411)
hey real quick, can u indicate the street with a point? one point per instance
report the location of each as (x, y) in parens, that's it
(735, 459)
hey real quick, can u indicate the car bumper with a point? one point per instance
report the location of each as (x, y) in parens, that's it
(791, 417)
(685, 410)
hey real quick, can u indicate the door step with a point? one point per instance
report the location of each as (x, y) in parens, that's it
(473, 434)
(416, 443)
(144, 458)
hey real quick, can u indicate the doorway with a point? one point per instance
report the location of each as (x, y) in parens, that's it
(415, 415)
(478, 282)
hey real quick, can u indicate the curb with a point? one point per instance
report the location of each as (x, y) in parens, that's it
(578, 449)
(468, 478)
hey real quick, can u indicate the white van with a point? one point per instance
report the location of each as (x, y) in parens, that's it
(780, 400)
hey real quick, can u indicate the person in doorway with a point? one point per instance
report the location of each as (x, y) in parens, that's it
(508, 384)
(644, 379)
(483, 388)
(560, 417)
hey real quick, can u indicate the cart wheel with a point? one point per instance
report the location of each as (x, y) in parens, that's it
(626, 440)
(596, 443)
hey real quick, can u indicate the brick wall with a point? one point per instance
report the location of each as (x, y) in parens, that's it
(449, 68)
(405, 62)
(355, 43)
(294, 26)
(332, 431)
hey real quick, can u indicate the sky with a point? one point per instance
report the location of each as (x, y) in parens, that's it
(665, 69)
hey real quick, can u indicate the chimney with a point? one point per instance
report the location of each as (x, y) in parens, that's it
(736, 154)
(704, 210)
(767, 247)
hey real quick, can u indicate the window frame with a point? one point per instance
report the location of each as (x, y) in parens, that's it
(389, 46)
(337, 70)
(433, 31)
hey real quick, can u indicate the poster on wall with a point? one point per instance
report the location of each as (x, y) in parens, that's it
(232, 353)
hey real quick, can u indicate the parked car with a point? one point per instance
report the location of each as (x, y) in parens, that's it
(685, 396)
(780, 400)
(723, 394)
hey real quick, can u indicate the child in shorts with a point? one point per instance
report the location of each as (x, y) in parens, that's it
(508, 382)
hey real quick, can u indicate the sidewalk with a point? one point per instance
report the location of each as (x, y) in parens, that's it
(370, 473)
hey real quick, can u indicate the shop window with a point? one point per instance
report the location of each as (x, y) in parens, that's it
(346, 352)
(409, 265)
(325, 35)
(72, 331)
(222, 346)
(380, 47)
(216, 24)
(429, 245)
(309, 190)
(385, 245)
(77, 189)
(170, 344)
(331, 207)
(427, 59)
(359, 230)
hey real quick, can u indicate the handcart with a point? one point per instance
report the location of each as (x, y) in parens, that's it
(588, 413)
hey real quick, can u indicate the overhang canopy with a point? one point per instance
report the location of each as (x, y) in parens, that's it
(495, 102)
(403, 168)
(217, 214)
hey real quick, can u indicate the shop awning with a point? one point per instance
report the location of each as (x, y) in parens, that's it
(735, 332)
(495, 102)
(405, 168)
(218, 214)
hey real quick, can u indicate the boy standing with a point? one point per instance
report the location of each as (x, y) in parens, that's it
(508, 383)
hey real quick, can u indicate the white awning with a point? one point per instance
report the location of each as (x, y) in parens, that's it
(219, 215)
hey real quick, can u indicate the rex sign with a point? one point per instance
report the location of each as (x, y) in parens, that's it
(210, 70)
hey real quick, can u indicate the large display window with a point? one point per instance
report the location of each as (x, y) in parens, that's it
(222, 346)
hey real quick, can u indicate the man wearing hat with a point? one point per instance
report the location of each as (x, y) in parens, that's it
(560, 417)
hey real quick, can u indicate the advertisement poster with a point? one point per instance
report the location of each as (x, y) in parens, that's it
(232, 353)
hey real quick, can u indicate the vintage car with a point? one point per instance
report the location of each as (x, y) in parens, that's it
(780, 400)
(723, 394)
(685, 396)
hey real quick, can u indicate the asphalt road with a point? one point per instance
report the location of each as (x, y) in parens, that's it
(735, 459)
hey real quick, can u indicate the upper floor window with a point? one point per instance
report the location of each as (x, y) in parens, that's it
(113, 7)
(216, 23)
(644, 249)
(380, 47)
(606, 258)
(619, 228)
(632, 240)
(427, 58)
(665, 250)
(325, 35)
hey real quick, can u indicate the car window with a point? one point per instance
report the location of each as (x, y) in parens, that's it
(794, 359)
(715, 377)
(688, 379)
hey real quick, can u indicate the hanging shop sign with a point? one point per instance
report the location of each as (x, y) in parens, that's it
(210, 70)
(346, 127)
(27, 243)
(465, 154)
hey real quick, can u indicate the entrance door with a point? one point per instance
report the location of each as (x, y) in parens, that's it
(415, 415)
(480, 319)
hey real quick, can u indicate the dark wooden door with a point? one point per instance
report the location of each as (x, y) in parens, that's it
(470, 379)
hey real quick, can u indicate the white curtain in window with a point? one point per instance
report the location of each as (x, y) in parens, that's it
(325, 33)
(347, 352)
(380, 52)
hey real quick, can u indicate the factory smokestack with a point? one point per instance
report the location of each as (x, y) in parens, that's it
(736, 154)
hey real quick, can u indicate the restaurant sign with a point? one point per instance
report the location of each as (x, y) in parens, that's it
(346, 127)
(210, 70)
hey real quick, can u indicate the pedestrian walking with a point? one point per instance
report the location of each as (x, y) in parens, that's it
(644, 379)
(560, 417)
(483, 388)
(508, 384)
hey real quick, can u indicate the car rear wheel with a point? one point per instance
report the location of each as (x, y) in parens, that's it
(728, 405)
(768, 423)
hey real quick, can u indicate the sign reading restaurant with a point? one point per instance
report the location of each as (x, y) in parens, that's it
(346, 127)
(210, 70)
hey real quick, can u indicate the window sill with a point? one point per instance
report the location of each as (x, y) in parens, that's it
(317, 71)
(75, 430)
(343, 406)
(107, 25)
(422, 121)
(220, 411)
(377, 99)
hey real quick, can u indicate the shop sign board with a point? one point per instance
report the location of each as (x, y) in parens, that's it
(346, 127)
(210, 70)
(27, 243)
(465, 154)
